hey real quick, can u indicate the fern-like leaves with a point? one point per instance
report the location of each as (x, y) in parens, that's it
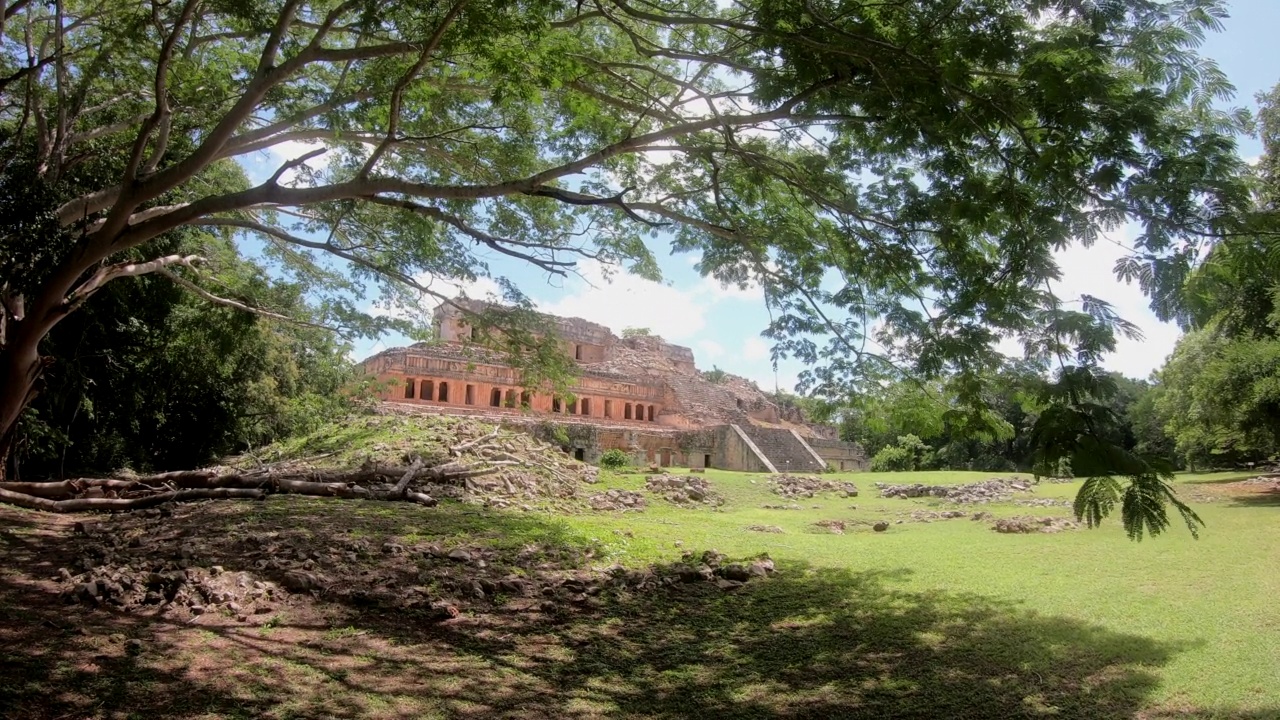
(1143, 507)
(1097, 496)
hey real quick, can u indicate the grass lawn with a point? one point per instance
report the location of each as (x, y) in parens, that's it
(939, 619)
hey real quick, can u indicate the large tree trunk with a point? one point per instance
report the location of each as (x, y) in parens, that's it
(21, 368)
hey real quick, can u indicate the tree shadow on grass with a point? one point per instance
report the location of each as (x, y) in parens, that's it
(1234, 477)
(807, 642)
(1259, 498)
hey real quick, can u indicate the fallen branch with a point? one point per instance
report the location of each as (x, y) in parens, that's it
(90, 504)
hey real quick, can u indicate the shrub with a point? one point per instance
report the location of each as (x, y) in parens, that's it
(892, 459)
(614, 459)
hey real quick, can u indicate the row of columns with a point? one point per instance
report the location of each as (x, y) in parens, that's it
(424, 389)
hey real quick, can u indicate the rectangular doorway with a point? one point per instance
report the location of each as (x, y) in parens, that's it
(706, 461)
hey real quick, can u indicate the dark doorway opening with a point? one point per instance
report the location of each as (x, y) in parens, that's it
(408, 388)
(444, 392)
(579, 454)
(706, 461)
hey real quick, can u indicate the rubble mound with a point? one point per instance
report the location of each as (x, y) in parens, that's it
(807, 486)
(993, 490)
(792, 506)
(835, 527)
(621, 500)
(504, 468)
(1028, 524)
(683, 489)
(765, 529)
(168, 564)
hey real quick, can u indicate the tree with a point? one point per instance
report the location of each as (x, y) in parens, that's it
(151, 377)
(1218, 400)
(1221, 399)
(927, 155)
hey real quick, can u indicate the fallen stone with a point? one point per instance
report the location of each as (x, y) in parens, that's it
(765, 528)
(299, 582)
(460, 555)
(880, 526)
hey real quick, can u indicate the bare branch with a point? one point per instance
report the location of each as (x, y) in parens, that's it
(236, 304)
(107, 273)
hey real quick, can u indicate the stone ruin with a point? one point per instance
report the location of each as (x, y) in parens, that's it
(641, 395)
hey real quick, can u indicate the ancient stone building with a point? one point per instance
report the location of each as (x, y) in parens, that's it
(641, 395)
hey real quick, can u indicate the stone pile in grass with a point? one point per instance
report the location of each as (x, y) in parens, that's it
(619, 500)
(1026, 524)
(993, 490)
(807, 486)
(683, 490)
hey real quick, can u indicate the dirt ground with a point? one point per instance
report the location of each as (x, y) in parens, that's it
(301, 608)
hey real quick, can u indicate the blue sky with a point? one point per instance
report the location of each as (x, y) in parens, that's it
(723, 325)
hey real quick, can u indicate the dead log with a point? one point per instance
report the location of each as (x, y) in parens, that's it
(142, 492)
(403, 485)
(91, 504)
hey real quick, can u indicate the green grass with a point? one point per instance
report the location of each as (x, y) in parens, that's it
(1214, 599)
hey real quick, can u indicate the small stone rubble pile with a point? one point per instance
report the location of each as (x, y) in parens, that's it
(794, 487)
(711, 567)
(926, 516)
(765, 528)
(993, 490)
(683, 489)
(620, 500)
(792, 506)
(1268, 480)
(1033, 525)
(146, 562)
(835, 527)
(1042, 502)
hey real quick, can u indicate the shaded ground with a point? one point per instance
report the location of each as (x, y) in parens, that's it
(805, 642)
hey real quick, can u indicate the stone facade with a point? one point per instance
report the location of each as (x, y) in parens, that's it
(641, 395)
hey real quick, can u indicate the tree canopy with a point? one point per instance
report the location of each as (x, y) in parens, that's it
(890, 172)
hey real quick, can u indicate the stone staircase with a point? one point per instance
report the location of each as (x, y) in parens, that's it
(785, 449)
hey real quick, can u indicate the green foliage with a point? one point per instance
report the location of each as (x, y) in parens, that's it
(715, 375)
(891, 459)
(636, 332)
(1221, 399)
(153, 378)
(909, 454)
(614, 459)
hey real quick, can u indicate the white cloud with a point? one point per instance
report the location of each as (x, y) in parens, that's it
(755, 349)
(721, 291)
(709, 349)
(623, 300)
(1088, 271)
(277, 155)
